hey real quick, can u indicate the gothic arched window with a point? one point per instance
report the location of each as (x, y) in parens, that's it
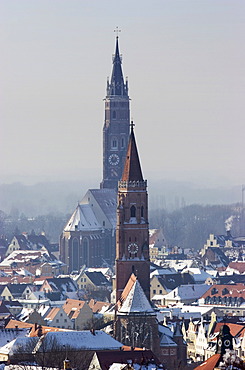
(114, 115)
(85, 251)
(132, 211)
(142, 211)
(114, 143)
(75, 254)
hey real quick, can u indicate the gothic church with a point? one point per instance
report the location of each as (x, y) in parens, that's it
(89, 235)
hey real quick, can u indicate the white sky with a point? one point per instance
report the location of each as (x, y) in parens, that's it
(185, 61)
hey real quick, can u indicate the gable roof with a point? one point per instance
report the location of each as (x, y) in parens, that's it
(171, 281)
(83, 218)
(17, 288)
(220, 255)
(79, 340)
(194, 291)
(52, 313)
(97, 278)
(72, 307)
(97, 306)
(106, 359)
(62, 284)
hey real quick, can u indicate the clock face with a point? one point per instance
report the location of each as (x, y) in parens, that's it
(114, 159)
(133, 248)
(227, 343)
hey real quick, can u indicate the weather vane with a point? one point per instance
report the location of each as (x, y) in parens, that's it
(117, 31)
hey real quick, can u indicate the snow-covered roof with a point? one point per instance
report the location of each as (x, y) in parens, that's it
(136, 301)
(25, 256)
(107, 200)
(83, 218)
(78, 340)
(7, 335)
(163, 271)
(191, 291)
(19, 345)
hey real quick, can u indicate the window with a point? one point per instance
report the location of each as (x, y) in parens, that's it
(142, 211)
(57, 320)
(160, 291)
(154, 291)
(122, 142)
(65, 320)
(114, 143)
(114, 114)
(132, 211)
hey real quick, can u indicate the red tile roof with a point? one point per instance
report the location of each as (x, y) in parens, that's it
(126, 290)
(235, 290)
(235, 329)
(210, 363)
(239, 266)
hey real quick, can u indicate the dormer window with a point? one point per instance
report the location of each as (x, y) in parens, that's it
(225, 291)
(214, 291)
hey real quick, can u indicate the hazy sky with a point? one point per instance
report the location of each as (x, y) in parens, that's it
(185, 61)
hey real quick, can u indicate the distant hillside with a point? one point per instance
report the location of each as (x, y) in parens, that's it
(43, 198)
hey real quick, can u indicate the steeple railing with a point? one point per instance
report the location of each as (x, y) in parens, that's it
(132, 184)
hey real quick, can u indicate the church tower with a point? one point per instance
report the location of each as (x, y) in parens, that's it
(132, 232)
(116, 125)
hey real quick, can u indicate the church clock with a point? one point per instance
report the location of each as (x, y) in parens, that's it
(114, 159)
(133, 248)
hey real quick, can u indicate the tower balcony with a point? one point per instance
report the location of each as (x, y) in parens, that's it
(132, 184)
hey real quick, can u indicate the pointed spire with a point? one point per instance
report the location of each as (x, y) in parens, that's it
(117, 85)
(135, 301)
(132, 169)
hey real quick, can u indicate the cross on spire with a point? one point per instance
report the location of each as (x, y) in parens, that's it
(117, 30)
(132, 124)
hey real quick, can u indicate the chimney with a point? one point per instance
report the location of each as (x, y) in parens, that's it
(228, 232)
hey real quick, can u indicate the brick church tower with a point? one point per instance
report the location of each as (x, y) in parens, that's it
(132, 232)
(116, 125)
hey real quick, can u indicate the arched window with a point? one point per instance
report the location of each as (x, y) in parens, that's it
(142, 211)
(122, 142)
(114, 115)
(132, 211)
(85, 251)
(114, 143)
(75, 254)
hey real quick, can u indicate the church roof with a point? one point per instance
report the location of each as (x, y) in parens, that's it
(117, 86)
(107, 200)
(132, 169)
(167, 341)
(136, 302)
(83, 218)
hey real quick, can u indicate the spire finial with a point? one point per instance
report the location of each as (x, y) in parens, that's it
(132, 124)
(117, 30)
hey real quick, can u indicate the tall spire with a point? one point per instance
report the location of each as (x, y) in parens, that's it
(132, 169)
(117, 85)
